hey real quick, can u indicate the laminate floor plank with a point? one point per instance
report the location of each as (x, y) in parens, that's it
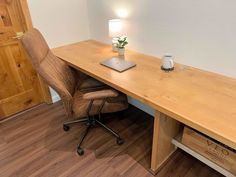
(33, 144)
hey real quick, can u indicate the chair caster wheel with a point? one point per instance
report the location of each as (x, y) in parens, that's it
(119, 141)
(80, 151)
(66, 128)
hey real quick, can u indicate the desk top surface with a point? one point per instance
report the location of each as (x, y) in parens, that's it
(203, 100)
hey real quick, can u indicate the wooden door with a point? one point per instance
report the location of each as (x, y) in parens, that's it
(20, 86)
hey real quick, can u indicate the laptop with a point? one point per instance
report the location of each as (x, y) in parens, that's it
(118, 64)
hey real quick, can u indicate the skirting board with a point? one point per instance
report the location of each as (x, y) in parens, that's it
(209, 163)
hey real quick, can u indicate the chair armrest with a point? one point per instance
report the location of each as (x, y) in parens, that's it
(97, 95)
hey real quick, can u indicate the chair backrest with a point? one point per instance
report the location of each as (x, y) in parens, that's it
(55, 72)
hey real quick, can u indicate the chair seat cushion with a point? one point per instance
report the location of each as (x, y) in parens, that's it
(80, 105)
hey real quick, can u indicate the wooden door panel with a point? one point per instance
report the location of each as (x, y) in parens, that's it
(21, 87)
(10, 85)
(28, 76)
(7, 29)
(5, 19)
(18, 103)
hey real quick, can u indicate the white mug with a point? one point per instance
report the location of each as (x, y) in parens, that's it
(167, 62)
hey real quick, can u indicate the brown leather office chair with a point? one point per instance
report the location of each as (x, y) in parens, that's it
(82, 97)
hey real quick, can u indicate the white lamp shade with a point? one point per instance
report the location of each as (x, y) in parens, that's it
(115, 28)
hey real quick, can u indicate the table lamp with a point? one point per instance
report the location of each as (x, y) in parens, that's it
(115, 29)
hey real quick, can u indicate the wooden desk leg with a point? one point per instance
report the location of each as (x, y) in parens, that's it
(165, 128)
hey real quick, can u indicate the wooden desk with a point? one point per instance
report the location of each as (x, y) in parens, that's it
(202, 100)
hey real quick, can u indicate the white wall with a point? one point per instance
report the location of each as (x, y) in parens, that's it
(61, 22)
(198, 33)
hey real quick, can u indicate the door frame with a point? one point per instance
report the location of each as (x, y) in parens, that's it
(27, 22)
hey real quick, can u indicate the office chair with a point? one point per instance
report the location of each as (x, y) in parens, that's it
(83, 98)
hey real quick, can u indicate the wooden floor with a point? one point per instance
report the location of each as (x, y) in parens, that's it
(34, 144)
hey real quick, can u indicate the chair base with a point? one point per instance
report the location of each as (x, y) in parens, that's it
(91, 122)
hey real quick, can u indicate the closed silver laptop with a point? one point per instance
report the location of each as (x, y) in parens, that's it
(118, 64)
